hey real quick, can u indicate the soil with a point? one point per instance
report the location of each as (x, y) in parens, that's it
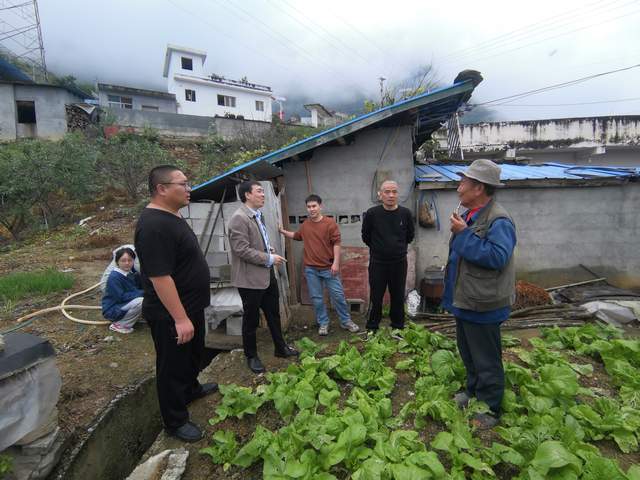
(96, 364)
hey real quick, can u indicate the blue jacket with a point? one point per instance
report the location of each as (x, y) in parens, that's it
(120, 290)
(492, 252)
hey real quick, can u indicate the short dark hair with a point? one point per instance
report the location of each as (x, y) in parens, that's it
(313, 198)
(159, 175)
(122, 251)
(246, 187)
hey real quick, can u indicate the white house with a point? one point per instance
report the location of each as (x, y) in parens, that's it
(209, 95)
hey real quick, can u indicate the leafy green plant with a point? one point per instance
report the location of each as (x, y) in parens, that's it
(224, 448)
(338, 416)
(6, 465)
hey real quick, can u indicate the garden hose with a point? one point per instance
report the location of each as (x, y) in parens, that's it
(64, 307)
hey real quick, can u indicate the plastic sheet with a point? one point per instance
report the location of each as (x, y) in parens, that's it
(27, 400)
(615, 312)
(224, 303)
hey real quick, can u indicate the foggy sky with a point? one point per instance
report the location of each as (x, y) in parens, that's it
(331, 49)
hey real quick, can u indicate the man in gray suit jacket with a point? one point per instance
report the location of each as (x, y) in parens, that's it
(252, 262)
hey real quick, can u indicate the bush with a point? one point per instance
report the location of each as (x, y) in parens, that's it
(221, 155)
(16, 286)
(126, 159)
(40, 178)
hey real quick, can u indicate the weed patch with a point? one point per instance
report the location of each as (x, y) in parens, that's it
(16, 286)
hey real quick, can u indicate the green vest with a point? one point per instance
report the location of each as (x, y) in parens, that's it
(480, 289)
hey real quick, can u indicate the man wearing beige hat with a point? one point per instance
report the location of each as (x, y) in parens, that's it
(480, 285)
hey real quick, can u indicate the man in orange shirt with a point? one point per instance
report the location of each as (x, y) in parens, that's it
(321, 258)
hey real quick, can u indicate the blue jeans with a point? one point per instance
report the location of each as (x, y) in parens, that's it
(315, 280)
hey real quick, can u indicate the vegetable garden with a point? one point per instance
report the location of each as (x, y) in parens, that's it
(571, 411)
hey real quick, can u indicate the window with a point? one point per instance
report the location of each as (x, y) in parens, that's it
(26, 112)
(118, 101)
(226, 101)
(150, 107)
(190, 95)
(187, 63)
(259, 106)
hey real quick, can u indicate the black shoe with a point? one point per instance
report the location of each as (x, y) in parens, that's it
(189, 432)
(255, 365)
(287, 352)
(205, 389)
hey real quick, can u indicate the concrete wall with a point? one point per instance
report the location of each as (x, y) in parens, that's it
(611, 140)
(558, 229)
(344, 176)
(607, 130)
(188, 125)
(163, 104)
(50, 104)
(7, 113)
(621, 156)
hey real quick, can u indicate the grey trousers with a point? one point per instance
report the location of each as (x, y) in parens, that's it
(133, 310)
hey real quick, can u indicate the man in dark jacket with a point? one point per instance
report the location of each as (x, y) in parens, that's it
(387, 230)
(480, 285)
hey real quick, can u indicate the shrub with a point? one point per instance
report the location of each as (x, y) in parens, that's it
(40, 178)
(126, 159)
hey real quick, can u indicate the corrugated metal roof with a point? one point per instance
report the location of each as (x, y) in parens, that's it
(426, 112)
(546, 171)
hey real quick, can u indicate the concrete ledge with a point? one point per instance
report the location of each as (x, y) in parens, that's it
(117, 439)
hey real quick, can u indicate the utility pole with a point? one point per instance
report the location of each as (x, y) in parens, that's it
(381, 79)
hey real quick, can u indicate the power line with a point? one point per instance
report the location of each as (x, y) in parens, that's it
(216, 28)
(286, 42)
(597, 24)
(329, 34)
(528, 31)
(619, 100)
(554, 87)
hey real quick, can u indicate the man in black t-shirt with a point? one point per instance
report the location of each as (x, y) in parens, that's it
(175, 278)
(387, 229)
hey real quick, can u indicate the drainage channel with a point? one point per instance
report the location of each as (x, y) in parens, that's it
(117, 439)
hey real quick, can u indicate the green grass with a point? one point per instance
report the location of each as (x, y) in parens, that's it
(17, 286)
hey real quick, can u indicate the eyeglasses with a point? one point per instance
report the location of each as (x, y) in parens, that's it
(185, 185)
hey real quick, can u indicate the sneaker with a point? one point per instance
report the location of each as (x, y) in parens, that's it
(461, 399)
(114, 327)
(352, 327)
(323, 330)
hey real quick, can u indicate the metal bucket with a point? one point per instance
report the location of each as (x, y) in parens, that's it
(432, 286)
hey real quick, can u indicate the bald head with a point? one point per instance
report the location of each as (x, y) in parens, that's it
(388, 194)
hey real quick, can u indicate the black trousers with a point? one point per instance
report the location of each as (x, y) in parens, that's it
(481, 350)
(382, 276)
(177, 366)
(267, 300)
